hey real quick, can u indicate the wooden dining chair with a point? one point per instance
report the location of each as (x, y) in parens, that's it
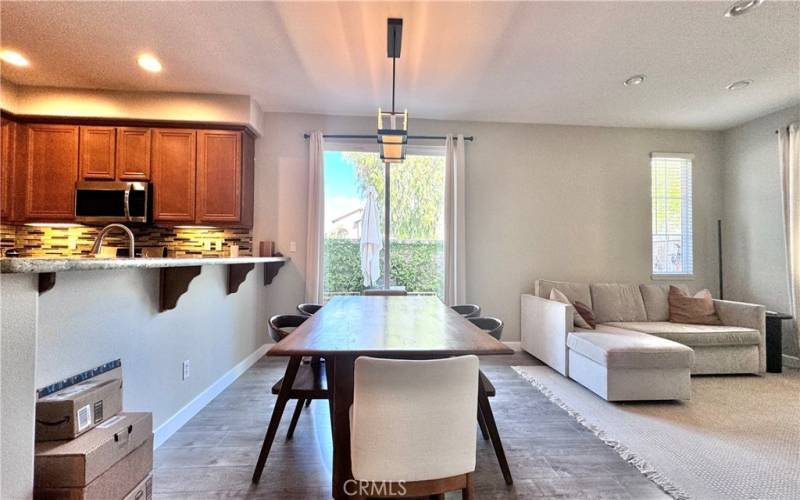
(412, 432)
(467, 310)
(309, 383)
(486, 422)
(308, 309)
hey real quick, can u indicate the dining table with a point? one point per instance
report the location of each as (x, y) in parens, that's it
(399, 327)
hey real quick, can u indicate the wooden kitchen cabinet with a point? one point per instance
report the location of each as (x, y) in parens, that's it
(133, 153)
(7, 169)
(50, 172)
(219, 176)
(225, 176)
(173, 172)
(97, 151)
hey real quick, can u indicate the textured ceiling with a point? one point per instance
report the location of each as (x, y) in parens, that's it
(548, 62)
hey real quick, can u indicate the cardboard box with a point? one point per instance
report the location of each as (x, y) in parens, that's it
(76, 409)
(112, 458)
(143, 490)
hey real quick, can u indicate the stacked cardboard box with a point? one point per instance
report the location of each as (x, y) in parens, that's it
(87, 449)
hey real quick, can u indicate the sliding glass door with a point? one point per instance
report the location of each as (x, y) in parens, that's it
(415, 207)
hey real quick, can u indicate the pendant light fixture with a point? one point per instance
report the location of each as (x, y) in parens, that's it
(393, 126)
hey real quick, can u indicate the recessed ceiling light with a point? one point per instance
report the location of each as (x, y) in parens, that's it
(13, 57)
(742, 7)
(635, 80)
(149, 63)
(739, 85)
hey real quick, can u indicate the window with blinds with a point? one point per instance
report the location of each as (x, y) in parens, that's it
(671, 193)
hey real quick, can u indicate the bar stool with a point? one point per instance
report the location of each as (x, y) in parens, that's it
(467, 310)
(308, 309)
(486, 390)
(309, 383)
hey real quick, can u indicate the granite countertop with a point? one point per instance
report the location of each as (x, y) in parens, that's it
(54, 265)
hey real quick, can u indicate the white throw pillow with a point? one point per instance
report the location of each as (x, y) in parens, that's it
(578, 320)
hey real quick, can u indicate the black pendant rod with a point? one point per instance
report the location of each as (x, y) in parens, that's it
(394, 61)
(375, 137)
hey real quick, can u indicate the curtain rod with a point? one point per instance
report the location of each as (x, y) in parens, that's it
(364, 136)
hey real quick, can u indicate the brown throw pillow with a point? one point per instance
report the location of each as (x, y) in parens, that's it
(586, 313)
(578, 318)
(697, 310)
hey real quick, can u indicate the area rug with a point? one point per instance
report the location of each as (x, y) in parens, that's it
(738, 437)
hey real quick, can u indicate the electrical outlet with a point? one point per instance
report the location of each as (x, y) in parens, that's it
(206, 244)
(186, 366)
(218, 246)
(292, 246)
(72, 242)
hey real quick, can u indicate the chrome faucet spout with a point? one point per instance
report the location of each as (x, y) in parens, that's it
(98, 242)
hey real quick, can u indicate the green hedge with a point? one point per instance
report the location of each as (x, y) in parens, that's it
(416, 265)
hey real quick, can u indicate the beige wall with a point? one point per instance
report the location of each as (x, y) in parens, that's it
(92, 317)
(754, 253)
(18, 305)
(228, 109)
(543, 201)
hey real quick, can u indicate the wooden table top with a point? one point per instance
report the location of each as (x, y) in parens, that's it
(387, 326)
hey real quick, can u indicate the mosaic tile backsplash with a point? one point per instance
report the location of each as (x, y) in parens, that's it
(39, 241)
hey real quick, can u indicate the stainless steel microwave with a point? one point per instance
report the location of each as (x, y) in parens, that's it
(109, 201)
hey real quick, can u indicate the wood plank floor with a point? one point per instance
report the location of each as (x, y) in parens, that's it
(550, 454)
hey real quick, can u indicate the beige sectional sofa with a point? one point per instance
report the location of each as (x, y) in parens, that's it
(636, 353)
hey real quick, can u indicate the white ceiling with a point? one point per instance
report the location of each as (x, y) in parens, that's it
(547, 62)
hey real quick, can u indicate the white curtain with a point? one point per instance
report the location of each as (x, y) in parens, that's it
(789, 140)
(316, 218)
(454, 222)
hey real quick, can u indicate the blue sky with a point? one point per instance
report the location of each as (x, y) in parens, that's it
(341, 188)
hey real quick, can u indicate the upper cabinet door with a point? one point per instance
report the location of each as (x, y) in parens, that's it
(7, 169)
(219, 176)
(51, 171)
(173, 169)
(97, 149)
(133, 154)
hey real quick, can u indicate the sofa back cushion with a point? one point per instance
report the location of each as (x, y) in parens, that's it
(575, 292)
(656, 300)
(617, 302)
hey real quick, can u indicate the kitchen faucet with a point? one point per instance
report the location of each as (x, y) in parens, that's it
(98, 242)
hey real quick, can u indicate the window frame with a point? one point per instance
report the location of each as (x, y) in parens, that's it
(684, 203)
(372, 147)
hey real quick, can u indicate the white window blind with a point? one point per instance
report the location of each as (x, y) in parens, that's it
(671, 193)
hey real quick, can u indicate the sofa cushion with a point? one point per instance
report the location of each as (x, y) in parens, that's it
(617, 302)
(656, 301)
(617, 348)
(575, 292)
(695, 335)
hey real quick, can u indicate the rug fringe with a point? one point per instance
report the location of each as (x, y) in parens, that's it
(626, 453)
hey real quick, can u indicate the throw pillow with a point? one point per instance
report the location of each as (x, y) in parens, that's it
(585, 313)
(697, 310)
(577, 319)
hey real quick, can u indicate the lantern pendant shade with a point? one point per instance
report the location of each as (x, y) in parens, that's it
(393, 135)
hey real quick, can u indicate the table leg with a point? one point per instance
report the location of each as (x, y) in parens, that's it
(342, 397)
(277, 412)
(486, 412)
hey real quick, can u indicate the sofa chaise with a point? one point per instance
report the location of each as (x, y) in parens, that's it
(635, 352)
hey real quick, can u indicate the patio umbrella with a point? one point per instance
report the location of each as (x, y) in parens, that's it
(371, 241)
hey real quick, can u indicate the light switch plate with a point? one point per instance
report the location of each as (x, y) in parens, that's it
(292, 246)
(186, 368)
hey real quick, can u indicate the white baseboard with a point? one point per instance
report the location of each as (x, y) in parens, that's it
(791, 361)
(514, 345)
(191, 409)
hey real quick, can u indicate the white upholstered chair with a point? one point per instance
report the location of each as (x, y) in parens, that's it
(413, 426)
